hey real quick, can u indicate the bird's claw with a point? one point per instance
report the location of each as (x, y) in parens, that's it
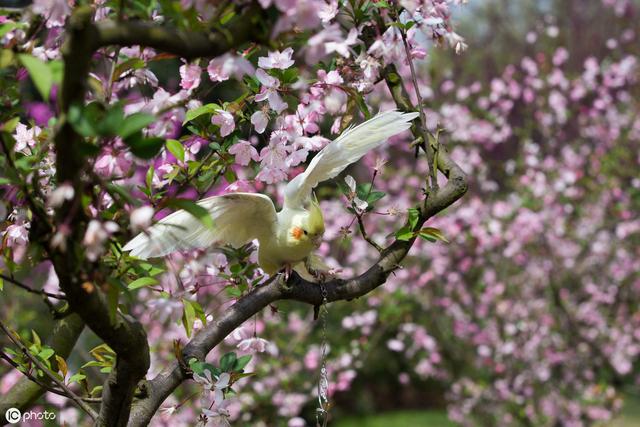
(285, 275)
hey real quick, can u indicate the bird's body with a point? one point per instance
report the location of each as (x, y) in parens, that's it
(287, 237)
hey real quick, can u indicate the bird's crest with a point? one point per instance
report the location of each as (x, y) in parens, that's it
(316, 220)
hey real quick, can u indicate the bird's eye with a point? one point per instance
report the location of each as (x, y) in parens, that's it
(305, 232)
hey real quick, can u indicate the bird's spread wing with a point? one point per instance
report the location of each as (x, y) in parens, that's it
(348, 148)
(237, 219)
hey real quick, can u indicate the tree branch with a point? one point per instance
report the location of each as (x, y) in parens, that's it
(82, 405)
(63, 337)
(124, 334)
(30, 289)
(296, 289)
(186, 44)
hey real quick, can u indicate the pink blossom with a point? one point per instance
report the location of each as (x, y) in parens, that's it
(296, 157)
(271, 175)
(222, 67)
(258, 345)
(280, 60)
(244, 152)
(95, 236)
(141, 217)
(25, 138)
(17, 234)
(275, 154)
(55, 11)
(190, 76)
(342, 47)
(61, 194)
(269, 91)
(328, 11)
(224, 119)
(260, 120)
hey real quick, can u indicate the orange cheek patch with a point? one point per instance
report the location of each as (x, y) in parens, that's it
(296, 232)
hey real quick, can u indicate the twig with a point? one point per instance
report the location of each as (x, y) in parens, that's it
(45, 386)
(30, 289)
(74, 397)
(423, 116)
(37, 210)
(365, 236)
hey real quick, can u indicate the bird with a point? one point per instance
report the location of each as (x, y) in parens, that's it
(286, 238)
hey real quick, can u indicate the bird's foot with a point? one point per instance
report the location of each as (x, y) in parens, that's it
(321, 276)
(285, 275)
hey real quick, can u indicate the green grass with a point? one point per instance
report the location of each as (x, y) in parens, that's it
(399, 418)
(630, 417)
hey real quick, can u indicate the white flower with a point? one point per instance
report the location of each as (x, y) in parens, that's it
(25, 138)
(58, 196)
(258, 345)
(342, 47)
(97, 233)
(281, 60)
(217, 387)
(141, 218)
(351, 183)
(169, 410)
(359, 204)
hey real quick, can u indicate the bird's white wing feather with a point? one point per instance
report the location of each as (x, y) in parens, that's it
(237, 219)
(348, 148)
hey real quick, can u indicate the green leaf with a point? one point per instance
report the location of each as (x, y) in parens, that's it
(142, 147)
(121, 191)
(228, 361)
(362, 106)
(413, 216)
(227, 16)
(129, 64)
(232, 291)
(192, 309)
(188, 316)
(241, 362)
(141, 283)
(46, 353)
(148, 180)
(404, 233)
(6, 27)
(10, 125)
(57, 71)
(194, 209)
(374, 196)
(40, 73)
(205, 109)
(36, 339)
(112, 122)
(176, 148)
(432, 234)
(77, 377)
(83, 118)
(134, 123)
(289, 76)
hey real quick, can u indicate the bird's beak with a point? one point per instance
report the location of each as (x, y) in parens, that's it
(317, 241)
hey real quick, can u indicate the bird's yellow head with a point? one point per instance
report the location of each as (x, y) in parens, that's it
(311, 227)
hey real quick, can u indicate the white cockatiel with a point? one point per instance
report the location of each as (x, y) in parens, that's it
(287, 237)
